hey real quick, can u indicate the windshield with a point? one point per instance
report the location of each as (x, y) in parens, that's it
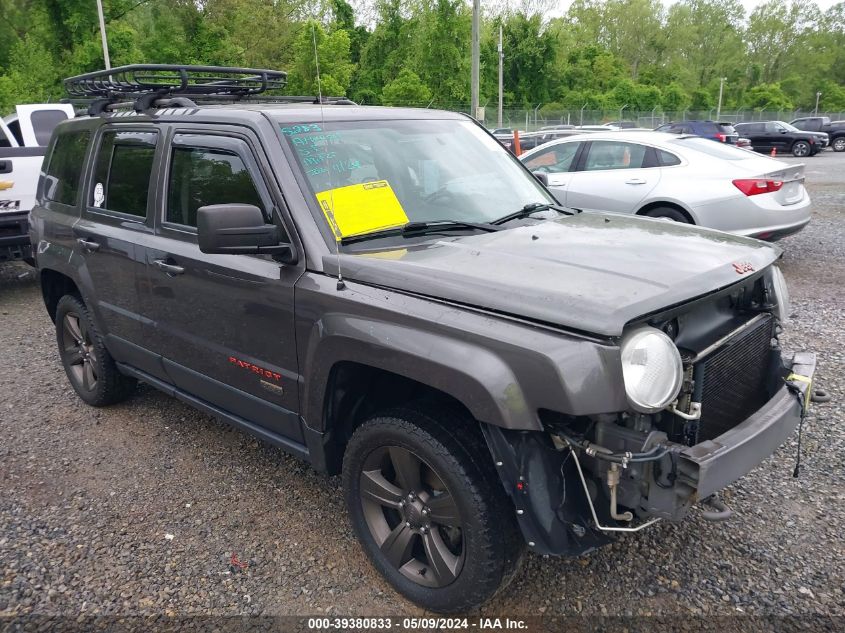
(374, 175)
(788, 126)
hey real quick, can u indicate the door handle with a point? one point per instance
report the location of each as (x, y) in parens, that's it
(635, 181)
(5, 167)
(170, 269)
(87, 245)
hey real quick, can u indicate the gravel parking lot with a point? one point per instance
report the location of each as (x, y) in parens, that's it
(139, 508)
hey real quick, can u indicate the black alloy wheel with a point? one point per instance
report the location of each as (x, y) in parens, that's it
(427, 505)
(78, 353)
(92, 371)
(412, 516)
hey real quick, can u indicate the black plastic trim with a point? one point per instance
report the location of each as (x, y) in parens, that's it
(290, 446)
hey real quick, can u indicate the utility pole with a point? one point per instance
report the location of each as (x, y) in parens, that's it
(722, 81)
(818, 94)
(476, 9)
(103, 34)
(501, 77)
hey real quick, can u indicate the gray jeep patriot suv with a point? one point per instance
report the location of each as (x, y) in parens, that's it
(389, 294)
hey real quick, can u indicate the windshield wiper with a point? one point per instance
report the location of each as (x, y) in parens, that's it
(534, 207)
(422, 228)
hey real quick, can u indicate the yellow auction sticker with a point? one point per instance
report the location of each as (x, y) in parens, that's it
(362, 208)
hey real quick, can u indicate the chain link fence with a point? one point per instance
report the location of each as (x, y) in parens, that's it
(532, 119)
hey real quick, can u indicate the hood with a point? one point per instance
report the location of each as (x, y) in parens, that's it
(588, 272)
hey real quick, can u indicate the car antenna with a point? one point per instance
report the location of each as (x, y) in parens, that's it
(330, 209)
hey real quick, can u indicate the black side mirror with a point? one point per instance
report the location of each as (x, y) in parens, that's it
(542, 177)
(234, 229)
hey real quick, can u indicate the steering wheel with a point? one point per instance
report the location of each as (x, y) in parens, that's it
(440, 194)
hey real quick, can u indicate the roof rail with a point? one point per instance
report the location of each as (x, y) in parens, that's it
(148, 86)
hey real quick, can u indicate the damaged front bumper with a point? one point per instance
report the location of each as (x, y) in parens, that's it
(564, 509)
(714, 464)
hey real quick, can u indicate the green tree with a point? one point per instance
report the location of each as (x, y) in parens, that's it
(675, 98)
(406, 89)
(31, 77)
(767, 97)
(334, 61)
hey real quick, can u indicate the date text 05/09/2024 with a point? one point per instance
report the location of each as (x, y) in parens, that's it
(417, 624)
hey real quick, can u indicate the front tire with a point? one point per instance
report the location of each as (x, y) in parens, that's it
(800, 149)
(89, 367)
(428, 508)
(838, 144)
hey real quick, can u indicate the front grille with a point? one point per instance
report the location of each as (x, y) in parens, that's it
(735, 379)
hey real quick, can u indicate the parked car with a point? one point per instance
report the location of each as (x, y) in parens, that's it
(374, 290)
(684, 178)
(822, 138)
(623, 125)
(23, 137)
(722, 132)
(834, 129)
(766, 136)
(551, 135)
(596, 128)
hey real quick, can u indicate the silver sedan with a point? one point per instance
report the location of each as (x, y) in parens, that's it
(682, 178)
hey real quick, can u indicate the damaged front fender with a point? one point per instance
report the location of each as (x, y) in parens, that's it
(551, 506)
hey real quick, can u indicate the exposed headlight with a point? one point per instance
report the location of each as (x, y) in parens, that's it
(651, 368)
(781, 294)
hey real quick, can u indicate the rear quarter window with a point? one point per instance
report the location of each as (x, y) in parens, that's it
(667, 159)
(64, 166)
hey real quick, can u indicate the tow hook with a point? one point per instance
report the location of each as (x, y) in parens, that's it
(720, 511)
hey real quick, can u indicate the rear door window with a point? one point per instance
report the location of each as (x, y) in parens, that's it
(604, 155)
(122, 172)
(64, 167)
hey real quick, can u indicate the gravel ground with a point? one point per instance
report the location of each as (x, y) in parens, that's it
(138, 508)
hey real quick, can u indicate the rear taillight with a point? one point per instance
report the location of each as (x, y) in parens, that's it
(722, 137)
(753, 186)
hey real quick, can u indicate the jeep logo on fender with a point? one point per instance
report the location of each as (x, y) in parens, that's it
(743, 267)
(264, 373)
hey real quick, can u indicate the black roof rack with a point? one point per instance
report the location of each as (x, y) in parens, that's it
(175, 80)
(147, 86)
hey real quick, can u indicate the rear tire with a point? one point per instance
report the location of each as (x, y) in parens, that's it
(89, 367)
(801, 149)
(427, 506)
(838, 144)
(670, 213)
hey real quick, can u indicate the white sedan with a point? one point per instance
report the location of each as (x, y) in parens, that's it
(683, 178)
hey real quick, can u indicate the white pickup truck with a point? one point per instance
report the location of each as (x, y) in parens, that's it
(23, 139)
